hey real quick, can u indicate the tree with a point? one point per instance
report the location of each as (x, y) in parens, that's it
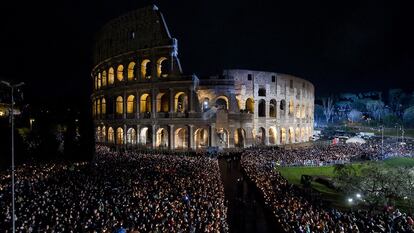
(355, 115)
(376, 109)
(408, 116)
(328, 108)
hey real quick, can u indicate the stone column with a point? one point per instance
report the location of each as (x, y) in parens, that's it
(191, 100)
(171, 144)
(138, 135)
(124, 105)
(171, 102)
(231, 137)
(154, 136)
(191, 137)
(137, 104)
(153, 103)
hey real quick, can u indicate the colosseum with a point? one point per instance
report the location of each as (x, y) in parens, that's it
(142, 98)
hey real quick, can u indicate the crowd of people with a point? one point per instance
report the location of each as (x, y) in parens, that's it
(128, 192)
(296, 211)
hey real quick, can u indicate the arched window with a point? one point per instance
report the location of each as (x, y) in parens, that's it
(181, 101)
(98, 105)
(262, 108)
(250, 105)
(130, 104)
(111, 135)
(120, 73)
(282, 105)
(131, 136)
(103, 105)
(222, 102)
(104, 81)
(98, 134)
(119, 105)
(146, 69)
(131, 71)
(119, 136)
(163, 102)
(111, 76)
(103, 134)
(162, 70)
(145, 104)
(272, 108)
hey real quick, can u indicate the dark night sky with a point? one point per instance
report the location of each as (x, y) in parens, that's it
(364, 45)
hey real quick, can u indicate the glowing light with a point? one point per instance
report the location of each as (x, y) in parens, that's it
(358, 196)
(350, 200)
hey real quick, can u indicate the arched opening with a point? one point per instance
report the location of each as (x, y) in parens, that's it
(262, 91)
(223, 138)
(162, 67)
(222, 102)
(261, 136)
(239, 138)
(250, 105)
(131, 104)
(180, 138)
(99, 80)
(119, 136)
(162, 138)
(111, 76)
(206, 104)
(163, 102)
(131, 136)
(282, 136)
(291, 135)
(146, 69)
(103, 134)
(145, 136)
(98, 105)
(103, 106)
(181, 101)
(272, 108)
(282, 105)
(120, 73)
(131, 71)
(272, 136)
(201, 138)
(297, 135)
(119, 105)
(111, 136)
(98, 134)
(145, 103)
(262, 108)
(104, 81)
(291, 107)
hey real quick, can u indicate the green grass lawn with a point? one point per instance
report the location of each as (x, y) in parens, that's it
(294, 174)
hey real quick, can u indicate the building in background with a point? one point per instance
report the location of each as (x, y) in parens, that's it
(141, 96)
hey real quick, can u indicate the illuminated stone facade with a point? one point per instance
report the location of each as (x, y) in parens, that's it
(142, 98)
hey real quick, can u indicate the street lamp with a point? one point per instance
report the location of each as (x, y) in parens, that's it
(12, 144)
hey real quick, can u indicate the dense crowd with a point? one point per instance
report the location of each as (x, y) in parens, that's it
(295, 211)
(128, 192)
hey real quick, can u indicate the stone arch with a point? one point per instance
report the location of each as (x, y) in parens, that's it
(201, 138)
(145, 136)
(146, 69)
(261, 136)
(297, 135)
(272, 136)
(111, 135)
(223, 137)
(119, 136)
(249, 105)
(162, 138)
(103, 106)
(119, 105)
(131, 71)
(120, 73)
(180, 102)
(131, 104)
(222, 102)
(239, 138)
(131, 136)
(162, 67)
(272, 108)
(283, 105)
(145, 103)
(291, 135)
(282, 136)
(180, 138)
(111, 76)
(262, 108)
(163, 102)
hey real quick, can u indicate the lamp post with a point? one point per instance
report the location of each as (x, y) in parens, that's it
(12, 145)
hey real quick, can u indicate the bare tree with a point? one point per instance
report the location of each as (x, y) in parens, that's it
(328, 108)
